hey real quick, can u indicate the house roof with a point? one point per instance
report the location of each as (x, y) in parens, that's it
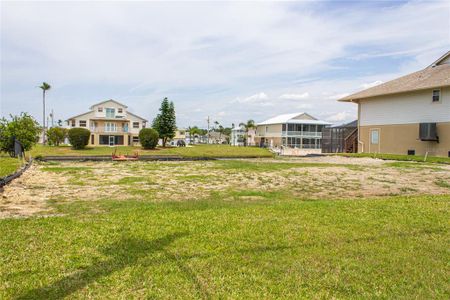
(100, 118)
(121, 104)
(434, 76)
(350, 124)
(291, 119)
(130, 113)
(79, 115)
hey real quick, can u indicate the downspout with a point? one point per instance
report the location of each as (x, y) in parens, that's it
(359, 128)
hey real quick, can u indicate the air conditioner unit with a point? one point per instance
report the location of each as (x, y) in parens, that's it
(428, 132)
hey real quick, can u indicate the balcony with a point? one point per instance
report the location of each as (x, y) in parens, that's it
(310, 134)
(109, 129)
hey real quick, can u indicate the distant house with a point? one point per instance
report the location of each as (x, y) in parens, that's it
(110, 124)
(297, 130)
(340, 138)
(218, 138)
(238, 136)
(180, 135)
(407, 115)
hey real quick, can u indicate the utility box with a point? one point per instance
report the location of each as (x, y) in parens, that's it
(428, 132)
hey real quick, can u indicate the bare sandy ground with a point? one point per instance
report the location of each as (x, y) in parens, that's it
(43, 185)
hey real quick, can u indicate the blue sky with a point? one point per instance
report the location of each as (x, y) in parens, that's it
(231, 61)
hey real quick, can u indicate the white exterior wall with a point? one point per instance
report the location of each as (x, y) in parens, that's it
(407, 108)
(109, 104)
(132, 119)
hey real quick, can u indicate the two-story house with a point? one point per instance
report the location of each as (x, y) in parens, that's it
(297, 130)
(110, 124)
(407, 115)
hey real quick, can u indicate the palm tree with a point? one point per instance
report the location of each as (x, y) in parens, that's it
(247, 126)
(45, 87)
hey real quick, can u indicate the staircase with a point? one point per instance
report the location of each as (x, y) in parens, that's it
(351, 142)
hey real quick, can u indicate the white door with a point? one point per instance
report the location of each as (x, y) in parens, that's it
(111, 140)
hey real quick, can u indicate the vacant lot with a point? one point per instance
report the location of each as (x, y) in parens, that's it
(310, 228)
(190, 151)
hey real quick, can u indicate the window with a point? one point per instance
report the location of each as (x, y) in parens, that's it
(267, 128)
(100, 109)
(135, 139)
(135, 124)
(73, 123)
(374, 137)
(110, 127)
(92, 139)
(82, 123)
(436, 95)
(110, 112)
(119, 110)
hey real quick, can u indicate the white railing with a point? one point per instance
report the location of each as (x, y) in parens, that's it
(303, 133)
(110, 129)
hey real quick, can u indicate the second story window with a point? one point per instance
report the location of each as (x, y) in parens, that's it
(135, 124)
(82, 123)
(436, 95)
(119, 110)
(110, 112)
(100, 109)
(73, 123)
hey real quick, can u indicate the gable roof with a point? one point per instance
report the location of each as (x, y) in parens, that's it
(121, 104)
(434, 76)
(293, 119)
(79, 115)
(130, 113)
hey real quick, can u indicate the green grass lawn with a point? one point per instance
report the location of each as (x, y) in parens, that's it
(195, 151)
(228, 229)
(418, 158)
(8, 165)
(277, 247)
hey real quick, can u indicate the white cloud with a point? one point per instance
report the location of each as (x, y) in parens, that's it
(257, 98)
(339, 117)
(371, 84)
(304, 105)
(295, 96)
(210, 53)
(337, 96)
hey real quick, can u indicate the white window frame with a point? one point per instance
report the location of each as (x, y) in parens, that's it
(372, 131)
(439, 95)
(110, 127)
(134, 123)
(85, 123)
(111, 110)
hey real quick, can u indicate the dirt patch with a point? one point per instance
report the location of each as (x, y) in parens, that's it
(43, 186)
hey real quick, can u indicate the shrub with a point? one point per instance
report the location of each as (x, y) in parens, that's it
(79, 137)
(148, 138)
(56, 135)
(23, 127)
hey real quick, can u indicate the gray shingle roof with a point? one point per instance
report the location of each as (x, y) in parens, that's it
(434, 76)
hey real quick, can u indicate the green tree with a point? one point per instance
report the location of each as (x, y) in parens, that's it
(44, 87)
(165, 121)
(247, 126)
(56, 135)
(23, 127)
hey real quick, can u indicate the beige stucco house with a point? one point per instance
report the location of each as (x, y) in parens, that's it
(297, 130)
(407, 115)
(110, 124)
